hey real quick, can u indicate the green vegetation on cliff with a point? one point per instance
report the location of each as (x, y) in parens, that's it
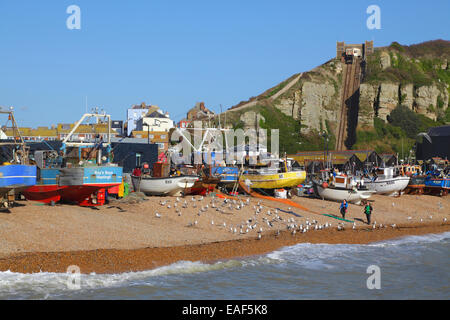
(398, 135)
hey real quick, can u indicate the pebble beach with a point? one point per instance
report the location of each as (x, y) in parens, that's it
(142, 233)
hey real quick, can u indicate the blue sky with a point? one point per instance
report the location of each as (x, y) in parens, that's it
(176, 53)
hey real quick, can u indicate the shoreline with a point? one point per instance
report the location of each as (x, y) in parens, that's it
(110, 261)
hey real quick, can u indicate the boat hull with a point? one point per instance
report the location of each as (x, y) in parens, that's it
(74, 185)
(439, 186)
(227, 175)
(275, 181)
(340, 195)
(16, 177)
(167, 186)
(388, 186)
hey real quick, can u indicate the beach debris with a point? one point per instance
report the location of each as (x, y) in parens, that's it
(157, 215)
(445, 219)
(212, 222)
(393, 225)
(431, 217)
(259, 236)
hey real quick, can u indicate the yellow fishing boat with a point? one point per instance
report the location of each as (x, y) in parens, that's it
(276, 178)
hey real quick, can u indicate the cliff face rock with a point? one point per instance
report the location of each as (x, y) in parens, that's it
(385, 60)
(383, 98)
(251, 119)
(407, 95)
(291, 106)
(317, 105)
(426, 101)
(368, 100)
(388, 99)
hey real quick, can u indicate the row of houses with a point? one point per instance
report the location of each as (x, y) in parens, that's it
(146, 122)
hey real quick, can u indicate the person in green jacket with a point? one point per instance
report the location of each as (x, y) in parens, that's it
(368, 211)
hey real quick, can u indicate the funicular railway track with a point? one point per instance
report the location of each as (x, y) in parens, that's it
(351, 83)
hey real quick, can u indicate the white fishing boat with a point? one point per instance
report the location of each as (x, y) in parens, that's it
(163, 186)
(387, 183)
(343, 188)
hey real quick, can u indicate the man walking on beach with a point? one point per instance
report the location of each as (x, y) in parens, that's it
(368, 211)
(343, 208)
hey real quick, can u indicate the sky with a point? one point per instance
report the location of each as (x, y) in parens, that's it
(176, 53)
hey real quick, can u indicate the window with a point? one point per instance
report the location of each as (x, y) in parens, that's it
(138, 159)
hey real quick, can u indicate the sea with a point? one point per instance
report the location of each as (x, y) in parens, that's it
(413, 267)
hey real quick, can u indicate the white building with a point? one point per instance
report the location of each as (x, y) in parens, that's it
(155, 120)
(133, 116)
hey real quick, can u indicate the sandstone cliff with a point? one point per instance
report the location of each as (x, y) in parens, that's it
(417, 77)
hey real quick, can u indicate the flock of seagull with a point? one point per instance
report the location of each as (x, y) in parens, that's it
(263, 218)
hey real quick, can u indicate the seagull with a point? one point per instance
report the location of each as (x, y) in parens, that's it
(195, 222)
(409, 218)
(393, 225)
(168, 206)
(158, 215)
(354, 226)
(259, 236)
(445, 219)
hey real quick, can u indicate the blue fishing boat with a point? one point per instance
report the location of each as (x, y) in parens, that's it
(227, 175)
(16, 174)
(78, 173)
(437, 185)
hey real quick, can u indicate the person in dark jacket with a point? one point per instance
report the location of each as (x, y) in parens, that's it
(343, 208)
(368, 211)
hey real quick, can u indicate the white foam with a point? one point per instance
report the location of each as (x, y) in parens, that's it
(45, 283)
(427, 238)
